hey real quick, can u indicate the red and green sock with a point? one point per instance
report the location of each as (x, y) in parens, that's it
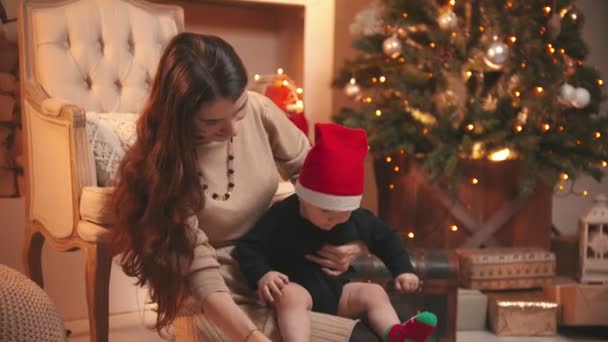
(415, 329)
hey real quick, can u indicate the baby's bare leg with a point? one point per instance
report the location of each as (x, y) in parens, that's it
(361, 298)
(293, 313)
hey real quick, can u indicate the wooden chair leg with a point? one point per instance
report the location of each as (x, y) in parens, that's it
(32, 253)
(99, 263)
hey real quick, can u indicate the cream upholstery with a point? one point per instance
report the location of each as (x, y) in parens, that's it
(83, 56)
(78, 57)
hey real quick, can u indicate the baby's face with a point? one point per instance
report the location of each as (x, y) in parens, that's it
(323, 218)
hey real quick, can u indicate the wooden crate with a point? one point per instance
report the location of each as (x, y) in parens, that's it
(488, 213)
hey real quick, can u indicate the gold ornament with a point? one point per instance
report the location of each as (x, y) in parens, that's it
(478, 151)
(447, 19)
(522, 116)
(352, 89)
(392, 46)
(490, 103)
(424, 118)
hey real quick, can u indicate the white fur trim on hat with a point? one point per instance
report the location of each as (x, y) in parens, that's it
(328, 202)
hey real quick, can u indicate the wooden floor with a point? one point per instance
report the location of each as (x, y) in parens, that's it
(131, 327)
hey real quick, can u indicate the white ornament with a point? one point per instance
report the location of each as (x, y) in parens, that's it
(581, 98)
(368, 22)
(352, 89)
(447, 20)
(496, 55)
(567, 92)
(392, 46)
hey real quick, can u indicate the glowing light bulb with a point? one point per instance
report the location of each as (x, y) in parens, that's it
(539, 90)
(454, 228)
(382, 79)
(518, 128)
(388, 159)
(410, 235)
(378, 112)
(597, 135)
(396, 169)
(500, 155)
(564, 176)
(299, 91)
(470, 127)
(391, 186)
(474, 181)
(280, 71)
(257, 77)
(285, 83)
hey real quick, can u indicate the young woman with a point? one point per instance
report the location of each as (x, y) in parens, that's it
(203, 169)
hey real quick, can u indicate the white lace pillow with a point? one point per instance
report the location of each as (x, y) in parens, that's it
(110, 135)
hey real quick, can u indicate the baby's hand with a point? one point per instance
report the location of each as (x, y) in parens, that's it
(406, 282)
(270, 286)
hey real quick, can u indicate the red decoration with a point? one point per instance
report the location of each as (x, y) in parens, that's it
(282, 92)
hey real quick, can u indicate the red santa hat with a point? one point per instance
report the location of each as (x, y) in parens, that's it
(333, 172)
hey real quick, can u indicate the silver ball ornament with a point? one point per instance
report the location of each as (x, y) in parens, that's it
(447, 20)
(392, 46)
(352, 89)
(581, 98)
(567, 93)
(496, 55)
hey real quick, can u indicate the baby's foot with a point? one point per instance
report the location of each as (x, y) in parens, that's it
(415, 329)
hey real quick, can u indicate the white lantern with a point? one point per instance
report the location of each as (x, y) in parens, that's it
(593, 247)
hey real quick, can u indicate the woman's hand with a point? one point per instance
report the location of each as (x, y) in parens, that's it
(406, 282)
(337, 259)
(270, 286)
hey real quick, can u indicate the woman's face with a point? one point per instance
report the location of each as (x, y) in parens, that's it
(322, 218)
(218, 120)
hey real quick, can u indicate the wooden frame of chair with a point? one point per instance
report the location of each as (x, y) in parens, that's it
(58, 168)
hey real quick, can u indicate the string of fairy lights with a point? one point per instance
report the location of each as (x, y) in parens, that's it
(496, 55)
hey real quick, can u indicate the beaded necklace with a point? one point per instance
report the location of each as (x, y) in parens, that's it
(229, 173)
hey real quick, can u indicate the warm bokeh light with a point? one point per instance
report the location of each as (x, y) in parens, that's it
(382, 79)
(388, 159)
(604, 163)
(597, 135)
(367, 99)
(256, 77)
(391, 186)
(285, 83)
(474, 181)
(470, 127)
(546, 127)
(564, 176)
(378, 112)
(547, 9)
(410, 235)
(518, 128)
(299, 91)
(454, 228)
(512, 39)
(539, 90)
(500, 155)
(280, 71)
(396, 169)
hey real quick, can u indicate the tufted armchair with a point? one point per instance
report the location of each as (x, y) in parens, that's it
(78, 57)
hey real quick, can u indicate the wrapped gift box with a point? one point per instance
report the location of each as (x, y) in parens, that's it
(472, 310)
(522, 315)
(581, 304)
(506, 268)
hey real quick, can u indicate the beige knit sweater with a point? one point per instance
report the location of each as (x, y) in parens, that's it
(265, 140)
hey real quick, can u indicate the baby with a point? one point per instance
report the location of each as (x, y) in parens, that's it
(325, 210)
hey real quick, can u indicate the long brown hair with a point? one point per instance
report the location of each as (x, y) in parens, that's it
(157, 186)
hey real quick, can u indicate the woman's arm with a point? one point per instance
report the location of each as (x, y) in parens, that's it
(289, 145)
(229, 318)
(209, 287)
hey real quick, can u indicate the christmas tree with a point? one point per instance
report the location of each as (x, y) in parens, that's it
(483, 79)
